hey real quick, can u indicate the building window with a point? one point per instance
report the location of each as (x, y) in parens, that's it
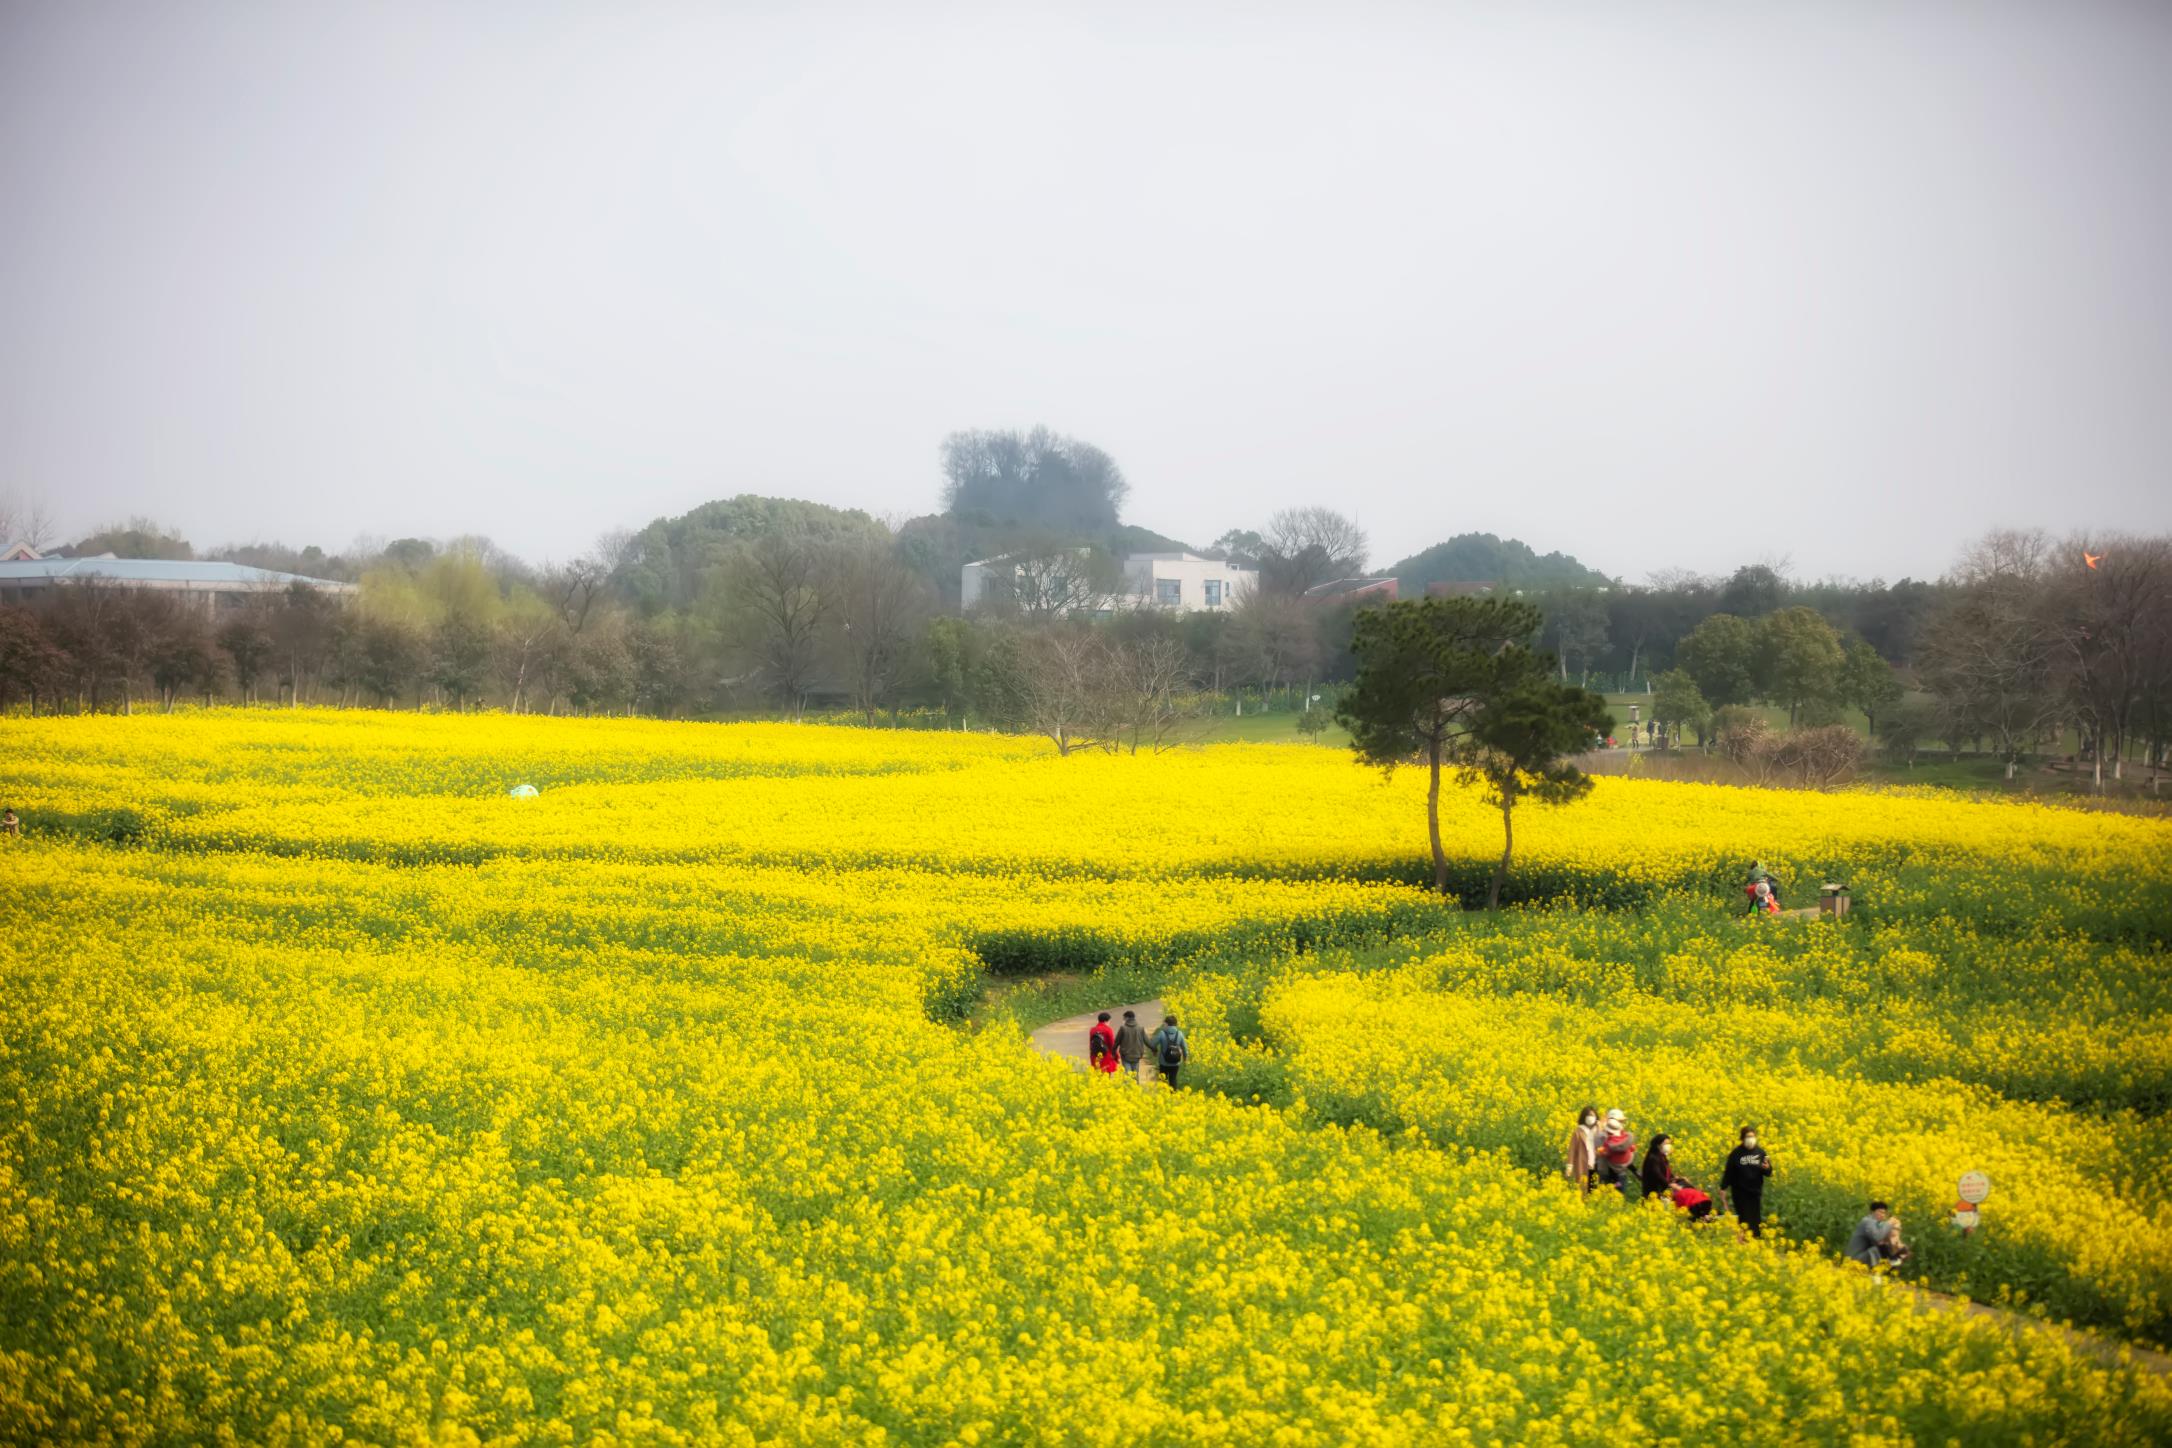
(1169, 591)
(1214, 593)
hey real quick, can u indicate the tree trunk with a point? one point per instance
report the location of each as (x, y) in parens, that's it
(1432, 819)
(1508, 848)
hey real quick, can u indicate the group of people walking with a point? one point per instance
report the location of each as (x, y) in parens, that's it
(1128, 1047)
(1603, 1153)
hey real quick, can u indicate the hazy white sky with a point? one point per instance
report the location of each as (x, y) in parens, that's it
(1654, 284)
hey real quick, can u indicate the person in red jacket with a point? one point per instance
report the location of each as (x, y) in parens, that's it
(1101, 1046)
(1617, 1152)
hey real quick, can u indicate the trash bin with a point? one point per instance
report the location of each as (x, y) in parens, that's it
(1833, 900)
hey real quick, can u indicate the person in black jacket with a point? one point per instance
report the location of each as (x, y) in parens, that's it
(1742, 1182)
(1658, 1173)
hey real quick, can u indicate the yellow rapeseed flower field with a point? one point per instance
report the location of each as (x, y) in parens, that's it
(350, 1100)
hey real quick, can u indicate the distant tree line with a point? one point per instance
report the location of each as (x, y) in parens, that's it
(775, 605)
(2026, 642)
(2036, 638)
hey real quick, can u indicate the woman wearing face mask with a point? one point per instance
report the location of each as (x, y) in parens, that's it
(1662, 1182)
(1583, 1162)
(1742, 1182)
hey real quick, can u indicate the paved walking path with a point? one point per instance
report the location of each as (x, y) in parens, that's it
(1067, 1038)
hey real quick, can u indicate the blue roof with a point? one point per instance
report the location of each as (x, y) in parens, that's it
(157, 570)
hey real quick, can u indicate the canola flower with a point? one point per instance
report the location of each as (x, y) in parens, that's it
(2081, 1218)
(372, 1108)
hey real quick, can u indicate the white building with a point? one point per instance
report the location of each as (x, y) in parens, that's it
(1186, 582)
(208, 586)
(1051, 583)
(1039, 582)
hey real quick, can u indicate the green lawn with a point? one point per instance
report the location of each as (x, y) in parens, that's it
(1773, 715)
(1266, 728)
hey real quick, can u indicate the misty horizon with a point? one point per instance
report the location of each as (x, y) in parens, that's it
(1678, 287)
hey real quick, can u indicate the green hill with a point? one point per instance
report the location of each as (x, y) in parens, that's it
(1483, 558)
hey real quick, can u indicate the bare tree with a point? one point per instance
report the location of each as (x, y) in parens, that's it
(877, 607)
(1278, 635)
(574, 589)
(26, 520)
(1056, 580)
(32, 664)
(1066, 684)
(602, 673)
(1989, 652)
(184, 660)
(2107, 597)
(1151, 676)
(1305, 546)
(302, 633)
(1745, 740)
(1818, 758)
(1575, 629)
(529, 644)
(246, 639)
(79, 618)
(779, 608)
(139, 625)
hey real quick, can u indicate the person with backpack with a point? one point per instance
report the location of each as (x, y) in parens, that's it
(1170, 1050)
(1583, 1161)
(1742, 1182)
(1617, 1151)
(1131, 1044)
(1101, 1046)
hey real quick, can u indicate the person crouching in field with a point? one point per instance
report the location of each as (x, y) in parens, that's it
(1877, 1240)
(1617, 1151)
(1583, 1163)
(1131, 1045)
(1101, 1046)
(1170, 1050)
(1662, 1182)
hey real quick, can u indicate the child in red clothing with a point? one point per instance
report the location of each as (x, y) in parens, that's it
(1101, 1045)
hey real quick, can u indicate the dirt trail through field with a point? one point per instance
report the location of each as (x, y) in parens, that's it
(2106, 1349)
(1067, 1038)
